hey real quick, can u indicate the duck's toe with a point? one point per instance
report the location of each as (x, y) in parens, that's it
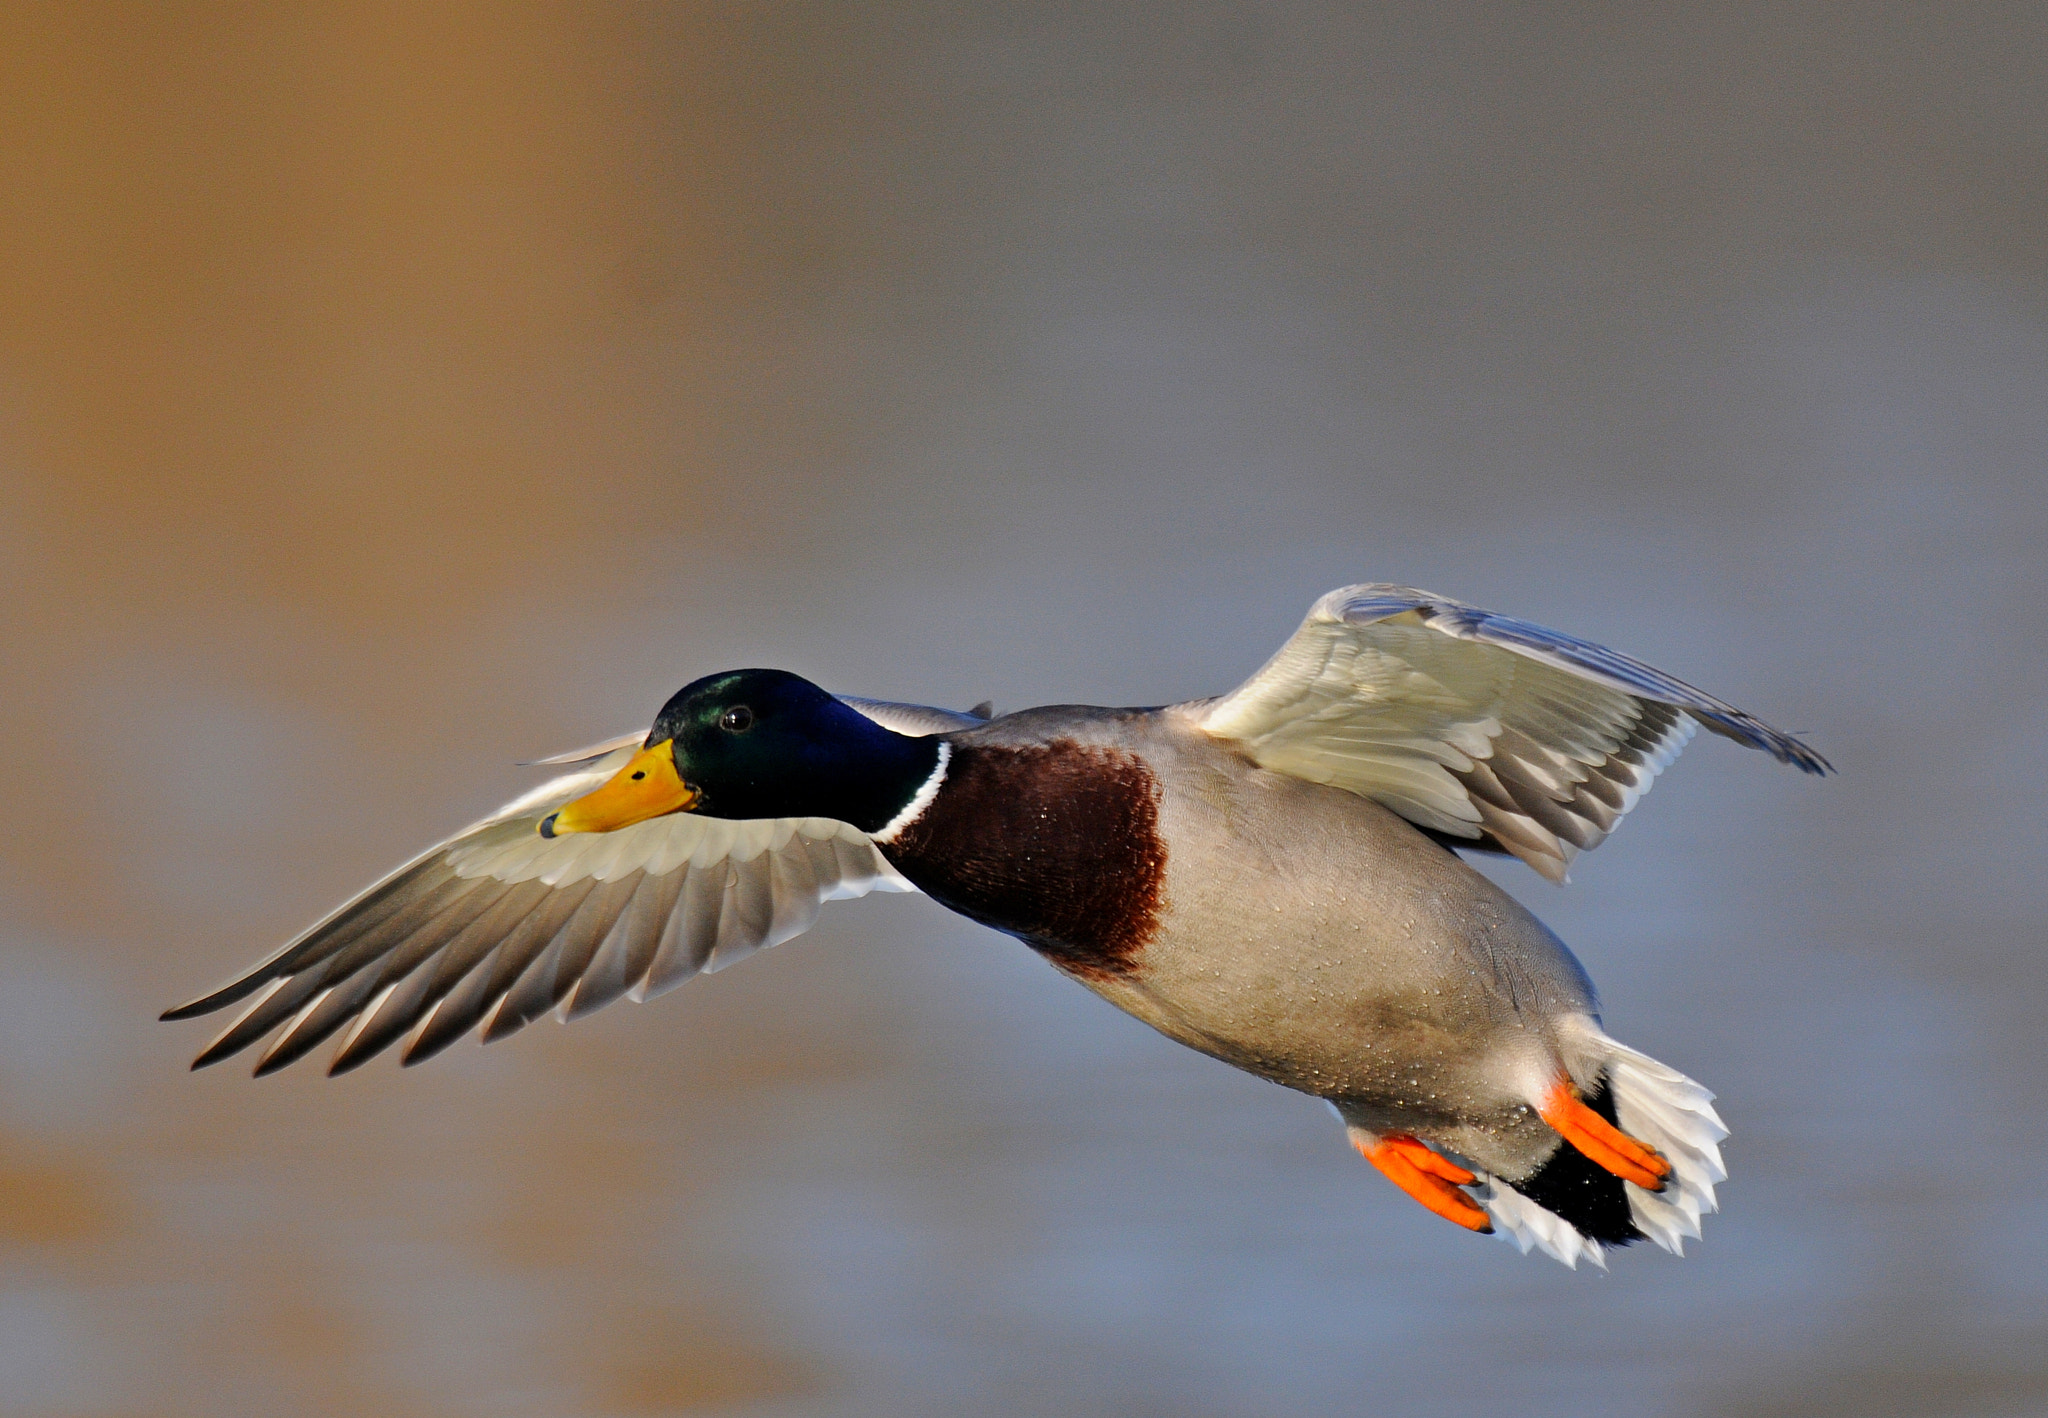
(1429, 1178)
(1601, 1141)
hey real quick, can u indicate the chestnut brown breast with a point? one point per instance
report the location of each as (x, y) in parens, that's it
(1056, 843)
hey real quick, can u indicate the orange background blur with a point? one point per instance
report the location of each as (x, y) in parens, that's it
(392, 393)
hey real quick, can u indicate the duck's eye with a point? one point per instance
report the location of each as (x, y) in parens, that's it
(736, 720)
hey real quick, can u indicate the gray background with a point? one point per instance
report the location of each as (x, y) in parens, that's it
(387, 396)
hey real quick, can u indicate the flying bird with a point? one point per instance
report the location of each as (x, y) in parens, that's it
(1268, 877)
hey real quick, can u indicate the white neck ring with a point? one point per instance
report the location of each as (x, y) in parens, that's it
(914, 809)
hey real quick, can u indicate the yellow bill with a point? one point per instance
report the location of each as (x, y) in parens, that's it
(648, 786)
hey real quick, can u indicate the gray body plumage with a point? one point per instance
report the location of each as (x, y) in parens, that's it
(1311, 937)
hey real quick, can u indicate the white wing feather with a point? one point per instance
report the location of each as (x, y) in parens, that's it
(499, 925)
(1472, 724)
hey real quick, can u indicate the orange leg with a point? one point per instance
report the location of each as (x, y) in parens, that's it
(1430, 1179)
(1601, 1141)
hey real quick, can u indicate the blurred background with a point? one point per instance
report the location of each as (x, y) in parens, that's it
(391, 394)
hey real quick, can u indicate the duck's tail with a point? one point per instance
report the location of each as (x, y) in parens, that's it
(1574, 1209)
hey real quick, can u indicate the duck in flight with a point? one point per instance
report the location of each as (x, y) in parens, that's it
(1266, 877)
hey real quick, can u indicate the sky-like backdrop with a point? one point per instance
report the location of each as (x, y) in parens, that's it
(392, 393)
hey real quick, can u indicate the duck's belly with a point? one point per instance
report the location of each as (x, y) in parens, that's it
(1311, 937)
(1300, 932)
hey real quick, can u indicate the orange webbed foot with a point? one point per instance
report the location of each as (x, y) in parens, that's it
(1601, 1141)
(1430, 1179)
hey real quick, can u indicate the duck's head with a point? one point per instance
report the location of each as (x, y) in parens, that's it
(758, 743)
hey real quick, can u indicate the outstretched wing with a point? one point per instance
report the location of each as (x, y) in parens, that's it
(498, 925)
(1471, 724)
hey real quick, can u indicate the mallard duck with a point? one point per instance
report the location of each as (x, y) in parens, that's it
(1271, 877)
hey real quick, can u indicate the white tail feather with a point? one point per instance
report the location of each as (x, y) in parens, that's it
(1528, 1226)
(1654, 1104)
(1660, 1106)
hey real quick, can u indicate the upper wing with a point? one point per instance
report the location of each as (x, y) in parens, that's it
(917, 720)
(500, 925)
(1474, 724)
